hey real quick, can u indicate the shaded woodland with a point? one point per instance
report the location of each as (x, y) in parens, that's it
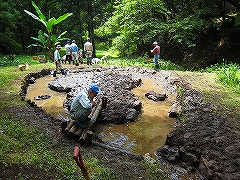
(194, 34)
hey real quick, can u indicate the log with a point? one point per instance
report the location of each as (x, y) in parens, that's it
(78, 132)
(83, 138)
(91, 114)
(174, 110)
(161, 96)
(87, 138)
(69, 126)
(72, 131)
(64, 122)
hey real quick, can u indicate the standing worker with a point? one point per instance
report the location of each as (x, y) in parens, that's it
(74, 51)
(88, 49)
(82, 104)
(68, 52)
(57, 57)
(156, 52)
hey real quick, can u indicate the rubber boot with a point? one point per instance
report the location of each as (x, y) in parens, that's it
(54, 73)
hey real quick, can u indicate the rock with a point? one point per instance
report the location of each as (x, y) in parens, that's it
(131, 115)
(188, 157)
(156, 96)
(32, 80)
(168, 153)
(148, 158)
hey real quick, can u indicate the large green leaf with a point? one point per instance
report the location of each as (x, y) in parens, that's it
(50, 24)
(40, 14)
(62, 34)
(35, 17)
(63, 17)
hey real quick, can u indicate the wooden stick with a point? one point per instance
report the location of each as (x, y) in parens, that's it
(69, 126)
(91, 123)
(78, 158)
(72, 131)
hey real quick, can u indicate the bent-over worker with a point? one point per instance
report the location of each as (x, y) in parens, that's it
(82, 105)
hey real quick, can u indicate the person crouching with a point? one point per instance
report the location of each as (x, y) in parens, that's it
(82, 105)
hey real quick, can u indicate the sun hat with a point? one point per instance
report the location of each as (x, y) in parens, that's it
(95, 88)
(155, 42)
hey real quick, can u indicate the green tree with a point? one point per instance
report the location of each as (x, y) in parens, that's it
(135, 23)
(9, 17)
(49, 24)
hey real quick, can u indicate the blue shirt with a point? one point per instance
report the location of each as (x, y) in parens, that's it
(74, 47)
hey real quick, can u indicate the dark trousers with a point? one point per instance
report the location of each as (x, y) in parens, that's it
(68, 58)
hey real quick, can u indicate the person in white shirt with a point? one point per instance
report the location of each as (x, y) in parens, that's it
(68, 52)
(82, 105)
(88, 49)
(57, 57)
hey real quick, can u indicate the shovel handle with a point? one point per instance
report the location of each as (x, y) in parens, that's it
(78, 158)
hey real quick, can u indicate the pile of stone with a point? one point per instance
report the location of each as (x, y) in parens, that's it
(122, 105)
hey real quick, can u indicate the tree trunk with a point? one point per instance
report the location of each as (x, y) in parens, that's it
(174, 111)
(90, 26)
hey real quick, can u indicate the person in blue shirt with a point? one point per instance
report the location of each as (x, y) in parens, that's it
(74, 51)
(82, 105)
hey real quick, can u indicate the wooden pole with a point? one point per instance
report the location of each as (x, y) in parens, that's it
(72, 131)
(69, 126)
(78, 158)
(84, 137)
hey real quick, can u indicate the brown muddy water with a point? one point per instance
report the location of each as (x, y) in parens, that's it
(145, 135)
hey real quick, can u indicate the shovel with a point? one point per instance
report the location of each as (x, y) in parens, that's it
(78, 158)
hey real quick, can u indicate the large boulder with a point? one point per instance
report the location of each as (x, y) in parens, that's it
(122, 105)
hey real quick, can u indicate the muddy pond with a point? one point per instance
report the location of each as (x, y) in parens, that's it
(145, 135)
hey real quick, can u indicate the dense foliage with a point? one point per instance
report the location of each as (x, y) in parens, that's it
(192, 33)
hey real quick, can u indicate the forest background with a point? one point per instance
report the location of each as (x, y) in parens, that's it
(192, 33)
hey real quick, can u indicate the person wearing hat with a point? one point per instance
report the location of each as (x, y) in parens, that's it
(83, 103)
(68, 52)
(57, 57)
(88, 49)
(156, 52)
(74, 51)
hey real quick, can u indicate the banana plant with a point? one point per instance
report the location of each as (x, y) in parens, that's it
(41, 41)
(51, 38)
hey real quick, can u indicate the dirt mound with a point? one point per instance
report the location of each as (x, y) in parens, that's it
(206, 142)
(122, 105)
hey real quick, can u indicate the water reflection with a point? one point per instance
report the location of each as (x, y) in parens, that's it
(149, 131)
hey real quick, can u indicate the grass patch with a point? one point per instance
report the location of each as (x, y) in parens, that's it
(216, 86)
(31, 147)
(141, 62)
(156, 171)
